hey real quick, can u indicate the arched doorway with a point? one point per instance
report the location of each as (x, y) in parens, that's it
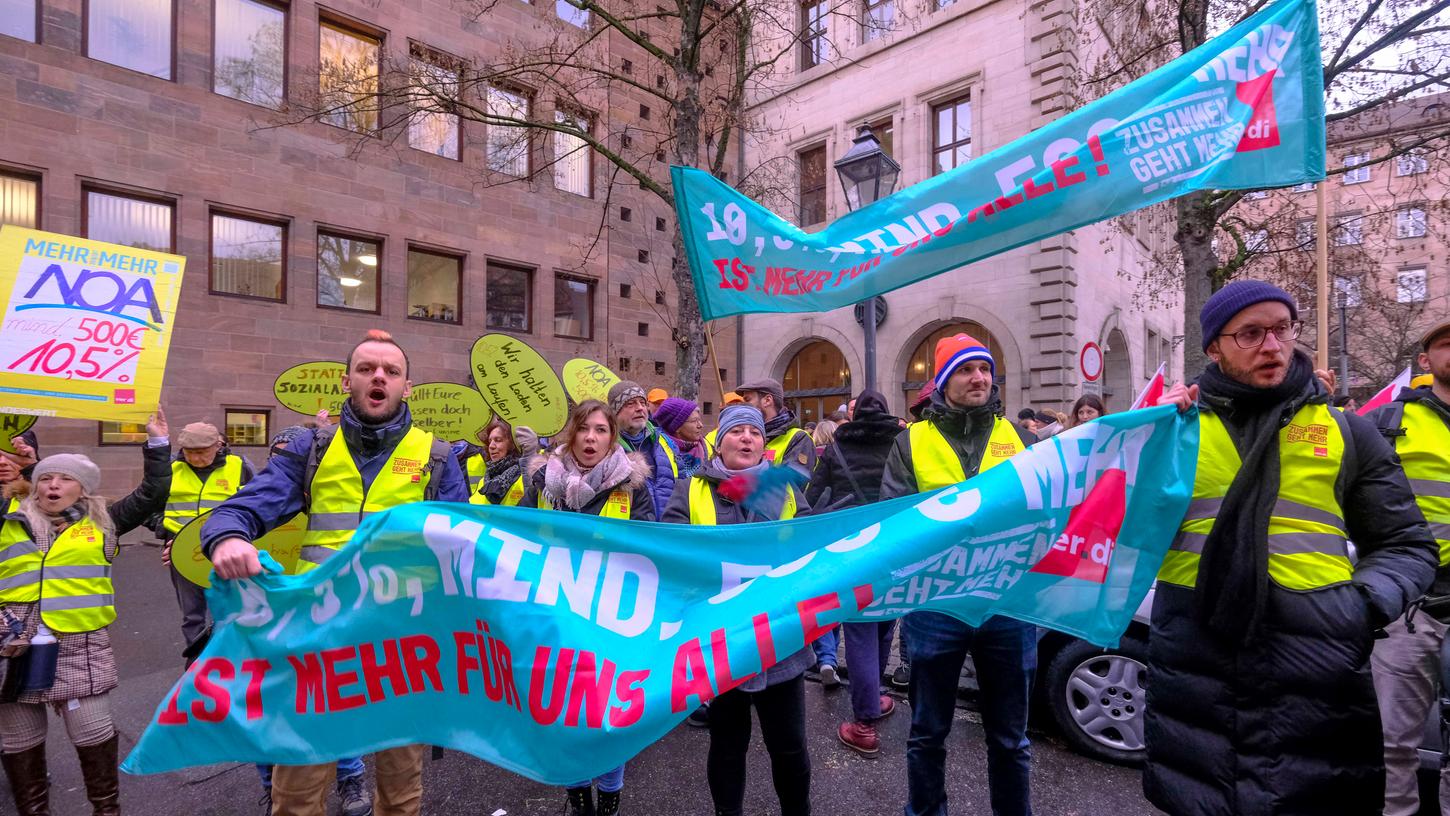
(922, 366)
(816, 381)
(1117, 372)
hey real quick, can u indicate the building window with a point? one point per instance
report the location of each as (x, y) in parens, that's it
(951, 144)
(644, 256)
(1348, 291)
(1410, 285)
(134, 222)
(571, 14)
(816, 381)
(1257, 241)
(122, 433)
(1304, 233)
(18, 18)
(508, 298)
(1358, 172)
(435, 283)
(347, 272)
(1253, 195)
(625, 291)
(1410, 222)
(660, 294)
(133, 34)
(623, 364)
(642, 329)
(247, 427)
(708, 408)
(248, 257)
(348, 77)
(432, 129)
(250, 57)
(1348, 230)
(19, 201)
(813, 186)
(879, 19)
(660, 367)
(573, 307)
(1411, 163)
(815, 46)
(1302, 188)
(885, 133)
(572, 158)
(507, 146)
(659, 225)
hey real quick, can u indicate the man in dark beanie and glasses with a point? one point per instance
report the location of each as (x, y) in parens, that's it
(1261, 700)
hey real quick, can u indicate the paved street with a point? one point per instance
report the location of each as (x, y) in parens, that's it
(668, 778)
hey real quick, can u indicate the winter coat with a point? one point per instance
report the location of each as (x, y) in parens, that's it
(1387, 414)
(661, 475)
(860, 450)
(277, 493)
(965, 429)
(155, 522)
(801, 452)
(641, 500)
(728, 512)
(1288, 725)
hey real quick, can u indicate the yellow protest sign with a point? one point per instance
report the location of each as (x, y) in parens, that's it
(309, 387)
(87, 325)
(518, 384)
(448, 410)
(586, 380)
(11, 426)
(284, 543)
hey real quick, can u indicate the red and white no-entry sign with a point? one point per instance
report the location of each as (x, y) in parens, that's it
(1090, 362)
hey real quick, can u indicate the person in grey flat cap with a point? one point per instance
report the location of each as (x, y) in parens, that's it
(785, 442)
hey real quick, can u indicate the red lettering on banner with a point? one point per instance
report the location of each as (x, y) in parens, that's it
(542, 712)
(256, 670)
(420, 661)
(720, 655)
(208, 690)
(1064, 178)
(336, 680)
(810, 611)
(690, 678)
(465, 661)
(390, 669)
(172, 714)
(309, 683)
(590, 690)
(503, 663)
(1033, 190)
(764, 640)
(864, 596)
(627, 689)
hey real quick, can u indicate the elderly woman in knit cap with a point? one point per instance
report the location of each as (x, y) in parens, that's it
(55, 570)
(719, 494)
(680, 420)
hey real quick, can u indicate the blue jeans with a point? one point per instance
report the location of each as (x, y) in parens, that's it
(1004, 652)
(868, 645)
(608, 782)
(825, 647)
(346, 769)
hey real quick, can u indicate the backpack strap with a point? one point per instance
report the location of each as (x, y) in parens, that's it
(1390, 420)
(438, 458)
(321, 438)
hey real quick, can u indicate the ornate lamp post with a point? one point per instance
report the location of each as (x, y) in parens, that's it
(868, 175)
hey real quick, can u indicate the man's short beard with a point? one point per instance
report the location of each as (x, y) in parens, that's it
(1246, 375)
(387, 414)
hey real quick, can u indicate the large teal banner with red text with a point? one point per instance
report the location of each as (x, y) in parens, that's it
(1245, 110)
(559, 645)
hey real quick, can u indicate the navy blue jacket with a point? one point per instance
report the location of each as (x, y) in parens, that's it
(661, 479)
(276, 494)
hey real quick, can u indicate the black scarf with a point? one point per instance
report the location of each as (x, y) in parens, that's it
(1233, 572)
(779, 424)
(500, 475)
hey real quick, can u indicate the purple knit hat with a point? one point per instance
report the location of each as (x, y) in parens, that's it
(672, 413)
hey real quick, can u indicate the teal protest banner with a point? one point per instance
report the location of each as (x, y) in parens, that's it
(1244, 110)
(558, 645)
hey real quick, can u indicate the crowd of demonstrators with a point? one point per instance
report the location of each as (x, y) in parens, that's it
(57, 603)
(630, 405)
(785, 442)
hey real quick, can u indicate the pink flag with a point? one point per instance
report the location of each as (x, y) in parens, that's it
(1387, 394)
(1152, 392)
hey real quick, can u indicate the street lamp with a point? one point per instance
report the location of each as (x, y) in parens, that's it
(867, 176)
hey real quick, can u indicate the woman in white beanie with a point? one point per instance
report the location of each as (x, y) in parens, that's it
(57, 600)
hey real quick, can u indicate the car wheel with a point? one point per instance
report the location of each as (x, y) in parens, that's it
(1097, 698)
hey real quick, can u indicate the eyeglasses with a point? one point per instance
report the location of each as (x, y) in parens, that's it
(1254, 336)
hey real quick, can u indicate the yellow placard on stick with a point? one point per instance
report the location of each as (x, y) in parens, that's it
(87, 325)
(448, 410)
(284, 543)
(11, 426)
(586, 380)
(309, 387)
(518, 384)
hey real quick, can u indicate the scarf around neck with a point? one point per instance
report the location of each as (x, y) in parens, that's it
(570, 487)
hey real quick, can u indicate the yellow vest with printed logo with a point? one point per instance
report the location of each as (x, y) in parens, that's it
(779, 445)
(1424, 450)
(511, 497)
(338, 504)
(72, 580)
(702, 503)
(616, 506)
(191, 498)
(1307, 542)
(935, 464)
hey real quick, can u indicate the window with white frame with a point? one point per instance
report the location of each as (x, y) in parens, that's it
(1410, 222)
(1302, 188)
(1256, 240)
(1410, 285)
(1347, 288)
(572, 157)
(508, 146)
(431, 128)
(1348, 230)
(879, 19)
(1411, 163)
(1304, 233)
(1358, 170)
(1254, 195)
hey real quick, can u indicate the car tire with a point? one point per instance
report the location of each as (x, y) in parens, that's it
(1097, 698)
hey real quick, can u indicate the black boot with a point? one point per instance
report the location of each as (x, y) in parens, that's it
(608, 803)
(98, 768)
(581, 801)
(26, 772)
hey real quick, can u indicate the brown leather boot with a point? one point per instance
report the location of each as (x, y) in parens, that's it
(26, 771)
(99, 769)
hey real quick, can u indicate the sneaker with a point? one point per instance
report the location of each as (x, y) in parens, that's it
(264, 804)
(353, 793)
(901, 678)
(859, 737)
(580, 801)
(700, 717)
(828, 677)
(608, 803)
(888, 705)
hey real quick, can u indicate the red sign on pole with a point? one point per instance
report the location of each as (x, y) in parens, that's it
(1090, 362)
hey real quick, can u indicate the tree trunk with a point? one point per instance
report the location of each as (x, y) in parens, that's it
(690, 350)
(1194, 236)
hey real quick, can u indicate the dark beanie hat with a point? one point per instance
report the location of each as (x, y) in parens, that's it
(1234, 298)
(672, 413)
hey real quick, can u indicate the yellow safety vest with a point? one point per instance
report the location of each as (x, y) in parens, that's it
(777, 446)
(511, 498)
(710, 443)
(616, 506)
(702, 503)
(338, 504)
(190, 498)
(935, 464)
(665, 446)
(1307, 543)
(72, 580)
(475, 467)
(1424, 450)
(13, 506)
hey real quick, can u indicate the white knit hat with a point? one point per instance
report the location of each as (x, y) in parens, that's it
(74, 465)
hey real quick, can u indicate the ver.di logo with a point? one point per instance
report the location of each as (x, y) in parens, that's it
(1085, 548)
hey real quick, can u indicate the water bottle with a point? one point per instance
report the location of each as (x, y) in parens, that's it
(40, 660)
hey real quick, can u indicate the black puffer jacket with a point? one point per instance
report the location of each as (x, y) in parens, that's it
(1288, 725)
(858, 453)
